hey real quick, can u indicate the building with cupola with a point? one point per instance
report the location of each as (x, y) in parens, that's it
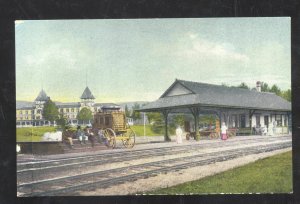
(31, 113)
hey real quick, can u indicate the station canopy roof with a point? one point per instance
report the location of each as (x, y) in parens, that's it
(187, 94)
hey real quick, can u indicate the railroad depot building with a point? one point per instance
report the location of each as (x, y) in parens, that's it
(238, 108)
(31, 114)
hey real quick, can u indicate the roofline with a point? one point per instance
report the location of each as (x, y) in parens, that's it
(172, 85)
(25, 108)
(208, 105)
(218, 85)
(107, 103)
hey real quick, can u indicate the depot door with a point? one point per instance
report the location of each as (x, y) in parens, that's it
(243, 121)
(266, 121)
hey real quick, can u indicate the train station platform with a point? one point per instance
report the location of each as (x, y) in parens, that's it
(142, 143)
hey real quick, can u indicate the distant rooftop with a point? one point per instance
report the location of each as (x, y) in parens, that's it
(68, 105)
(42, 96)
(87, 94)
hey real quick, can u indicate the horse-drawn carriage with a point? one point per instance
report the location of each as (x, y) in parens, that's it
(113, 126)
(212, 134)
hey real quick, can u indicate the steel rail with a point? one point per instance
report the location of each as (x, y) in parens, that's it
(229, 154)
(109, 158)
(40, 172)
(40, 162)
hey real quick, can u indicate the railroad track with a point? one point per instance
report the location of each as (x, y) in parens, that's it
(37, 170)
(23, 166)
(69, 185)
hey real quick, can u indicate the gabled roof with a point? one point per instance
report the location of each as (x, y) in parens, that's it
(176, 82)
(87, 94)
(42, 96)
(208, 95)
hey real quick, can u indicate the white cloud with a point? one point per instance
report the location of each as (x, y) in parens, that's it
(192, 35)
(195, 47)
(54, 53)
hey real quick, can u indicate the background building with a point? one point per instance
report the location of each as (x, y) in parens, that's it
(30, 114)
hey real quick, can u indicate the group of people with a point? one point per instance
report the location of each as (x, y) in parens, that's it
(82, 135)
(179, 133)
(87, 134)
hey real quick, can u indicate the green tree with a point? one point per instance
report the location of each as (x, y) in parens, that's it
(265, 87)
(154, 116)
(85, 114)
(243, 85)
(158, 124)
(275, 89)
(62, 121)
(50, 111)
(156, 121)
(178, 120)
(286, 95)
(136, 114)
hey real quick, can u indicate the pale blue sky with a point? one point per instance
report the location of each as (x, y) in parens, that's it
(138, 59)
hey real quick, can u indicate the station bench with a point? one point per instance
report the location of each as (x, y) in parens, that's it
(243, 131)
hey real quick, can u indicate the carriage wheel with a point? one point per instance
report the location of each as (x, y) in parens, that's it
(187, 136)
(110, 136)
(231, 134)
(129, 143)
(214, 135)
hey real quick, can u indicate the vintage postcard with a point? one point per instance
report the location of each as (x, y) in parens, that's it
(153, 106)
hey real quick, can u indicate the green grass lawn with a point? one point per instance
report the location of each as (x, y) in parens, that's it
(28, 134)
(32, 134)
(272, 174)
(139, 130)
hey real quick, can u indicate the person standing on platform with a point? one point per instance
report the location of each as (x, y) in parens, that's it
(89, 133)
(80, 135)
(223, 131)
(178, 135)
(67, 135)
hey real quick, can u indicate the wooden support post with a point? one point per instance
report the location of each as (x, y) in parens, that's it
(227, 119)
(250, 120)
(219, 114)
(165, 114)
(220, 122)
(195, 112)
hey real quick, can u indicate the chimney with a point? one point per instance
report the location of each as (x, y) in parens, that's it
(258, 86)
